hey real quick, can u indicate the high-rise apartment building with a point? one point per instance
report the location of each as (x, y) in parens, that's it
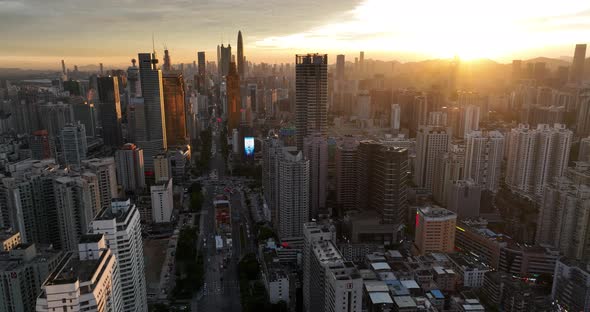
(395, 117)
(162, 201)
(311, 96)
(469, 120)
(312, 233)
(173, 90)
(23, 270)
(120, 225)
(584, 151)
(537, 156)
(449, 167)
(571, 285)
(151, 133)
(389, 183)
(130, 168)
(564, 215)
(85, 280)
(74, 144)
(340, 63)
(293, 210)
(484, 152)
(346, 174)
(110, 110)
(224, 60)
(86, 114)
(430, 142)
(577, 69)
(55, 116)
(106, 173)
(315, 149)
(162, 170)
(583, 113)
(435, 230)
(40, 145)
(464, 198)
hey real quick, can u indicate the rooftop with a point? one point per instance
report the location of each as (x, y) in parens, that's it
(404, 302)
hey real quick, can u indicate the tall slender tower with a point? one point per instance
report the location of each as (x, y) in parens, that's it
(340, 67)
(173, 90)
(240, 55)
(311, 96)
(234, 105)
(110, 110)
(577, 70)
(153, 137)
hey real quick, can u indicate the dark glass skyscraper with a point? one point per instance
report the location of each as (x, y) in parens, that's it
(173, 84)
(577, 69)
(311, 96)
(240, 55)
(234, 105)
(110, 110)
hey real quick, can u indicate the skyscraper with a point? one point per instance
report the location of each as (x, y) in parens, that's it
(106, 173)
(120, 225)
(537, 156)
(86, 114)
(152, 136)
(435, 230)
(130, 167)
(173, 86)
(430, 142)
(315, 149)
(240, 59)
(311, 95)
(110, 110)
(390, 183)
(469, 120)
(464, 198)
(571, 285)
(272, 149)
(346, 174)
(483, 158)
(395, 117)
(293, 177)
(74, 144)
(224, 60)
(234, 101)
(340, 67)
(162, 201)
(577, 69)
(202, 73)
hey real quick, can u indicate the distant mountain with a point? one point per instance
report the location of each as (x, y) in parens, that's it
(551, 63)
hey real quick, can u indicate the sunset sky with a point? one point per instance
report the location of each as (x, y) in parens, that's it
(39, 33)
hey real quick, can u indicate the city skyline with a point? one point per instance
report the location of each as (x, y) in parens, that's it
(384, 29)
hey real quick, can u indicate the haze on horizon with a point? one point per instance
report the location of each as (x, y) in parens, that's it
(39, 33)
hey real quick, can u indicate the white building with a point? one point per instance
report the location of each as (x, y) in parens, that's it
(162, 170)
(469, 120)
(88, 281)
(470, 270)
(162, 201)
(483, 158)
(122, 229)
(130, 168)
(430, 142)
(312, 232)
(293, 211)
(537, 156)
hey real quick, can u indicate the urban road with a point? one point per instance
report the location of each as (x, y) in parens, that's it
(220, 291)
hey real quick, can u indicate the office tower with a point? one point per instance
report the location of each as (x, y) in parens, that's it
(224, 60)
(315, 149)
(133, 83)
(22, 272)
(162, 170)
(395, 117)
(241, 59)
(430, 142)
(293, 210)
(564, 215)
(464, 198)
(173, 86)
(152, 135)
(435, 230)
(74, 208)
(167, 65)
(234, 101)
(389, 184)
(202, 63)
(110, 110)
(367, 150)
(577, 69)
(340, 67)
(55, 117)
(201, 84)
(130, 168)
(120, 224)
(420, 109)
(469, 120)
(484, 152)
(88, 280)
(584, 152)
(571, 285)
(162, 201)
(537, 156)
(252, 96)
(362, 62)
(63, 67)
(311, 95)
(39, 144)
(449, 167)
(346, 175)
(86, 114)
(74, 144)
(106, 173)
(583, 112)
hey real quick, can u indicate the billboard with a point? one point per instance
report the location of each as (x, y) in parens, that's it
(249, 146)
